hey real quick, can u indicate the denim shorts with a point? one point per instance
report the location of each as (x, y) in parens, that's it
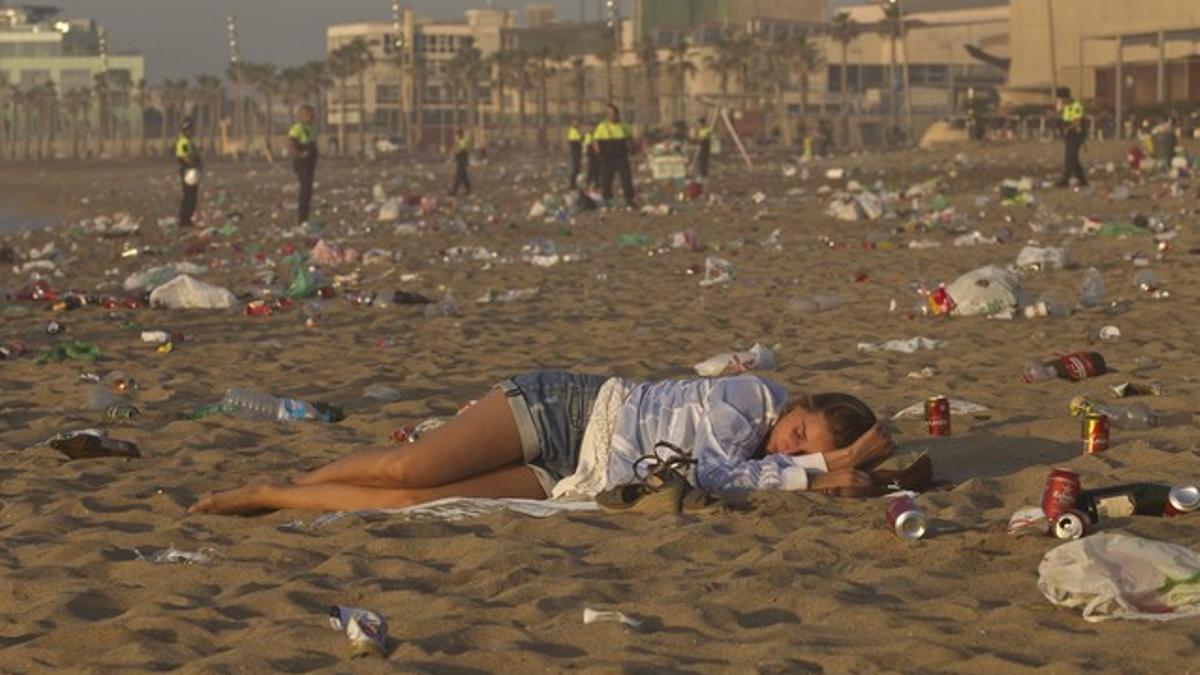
(552, 408)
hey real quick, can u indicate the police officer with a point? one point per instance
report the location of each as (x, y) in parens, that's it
(189, 172)
(304, 158)
(575, 143)
(1073, 137)
(613, 141)
(593, 160)
(462, 160)
(703, 137)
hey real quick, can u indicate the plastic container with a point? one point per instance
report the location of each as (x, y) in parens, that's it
(257, 406)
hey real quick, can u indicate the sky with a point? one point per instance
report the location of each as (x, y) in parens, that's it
(184, 38)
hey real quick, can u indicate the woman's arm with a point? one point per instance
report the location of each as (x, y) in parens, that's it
(866, 452)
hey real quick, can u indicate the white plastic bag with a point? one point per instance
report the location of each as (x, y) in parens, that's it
(1117, 576)
(184, 292)
(985, 291)
(732, 363)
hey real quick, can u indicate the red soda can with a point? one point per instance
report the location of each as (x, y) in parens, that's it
(905, 519)
(1072, 525)
(937, 416)
(1182, 500)
(1082, 365)
(406, 434)
(1095, 433)
(1062, 491)
(258, 308)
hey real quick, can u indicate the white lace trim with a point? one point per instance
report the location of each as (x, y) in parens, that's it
(592, 475)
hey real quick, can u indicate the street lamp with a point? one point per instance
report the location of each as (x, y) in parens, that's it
(235, 63)
(398, 45)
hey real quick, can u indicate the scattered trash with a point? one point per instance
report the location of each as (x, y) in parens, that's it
(757, 357)
(185, 292)
(366, 630)
(591, 616)
(717, 271)
(92, 444)
(957, 407)
(909, 346)
(1118, 576)
(173, 556)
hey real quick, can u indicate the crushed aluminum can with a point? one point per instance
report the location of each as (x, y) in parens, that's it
(905, 518)
(366, 629)
(1182, 500)
(1071, 525)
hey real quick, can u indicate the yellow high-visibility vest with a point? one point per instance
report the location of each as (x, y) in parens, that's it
(302, 133)
(611, 131)
(183, 147)
(464, 144)
(1072, 112)
(573, 135)
(588, 139)
(704, 133)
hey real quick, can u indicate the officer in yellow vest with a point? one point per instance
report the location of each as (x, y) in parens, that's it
(703, 139)
(188, 158)
(593, 160)
(1074, 135)
(575, 144)
(303, 135)
(613, 142)
(462, 160)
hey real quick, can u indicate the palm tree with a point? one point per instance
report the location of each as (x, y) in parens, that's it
(844, 30)
(175, 98)
(606, 51)
(100, 87)
(890, 28)
(264, 77)
(518, 71)
(775, 66)
(236, 75)
(353, 59)
(211, 95)
(75, 101)
(141, 98)
(498, 64)
(120, 86)
(727, 59)
(579, 80)
(648, 56)
(806, 58)
(679, 67)
(316, 78)
(541, 71)
(562, 61)
(466, 70)
(47, 103)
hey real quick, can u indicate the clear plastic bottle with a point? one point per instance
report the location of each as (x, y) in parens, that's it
(1093, 288)
(256, 406)
(1134, 416)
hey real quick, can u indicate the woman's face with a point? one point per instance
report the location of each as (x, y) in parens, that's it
(800, 432)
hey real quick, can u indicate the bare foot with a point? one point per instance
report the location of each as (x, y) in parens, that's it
(243, 500)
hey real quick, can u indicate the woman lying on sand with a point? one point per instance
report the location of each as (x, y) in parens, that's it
(554, 434)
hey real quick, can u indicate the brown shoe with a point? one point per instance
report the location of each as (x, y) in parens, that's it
(917, 476)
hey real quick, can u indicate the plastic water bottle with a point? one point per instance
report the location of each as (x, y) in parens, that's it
(1134, 416)
(255, 406)
(1093, 288)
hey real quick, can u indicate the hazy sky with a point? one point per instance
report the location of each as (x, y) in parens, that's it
(187, 37)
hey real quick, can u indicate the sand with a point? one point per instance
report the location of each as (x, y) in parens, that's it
(798, 583)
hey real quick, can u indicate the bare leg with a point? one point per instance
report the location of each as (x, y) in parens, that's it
(480, 439)
(514, 480)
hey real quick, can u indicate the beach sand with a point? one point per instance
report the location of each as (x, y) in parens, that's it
(797, 583)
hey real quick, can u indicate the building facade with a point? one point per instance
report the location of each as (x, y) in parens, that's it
(1079, 44)
(39, 51)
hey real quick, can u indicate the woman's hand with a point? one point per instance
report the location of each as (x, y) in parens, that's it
(848, 483)
(867, 452)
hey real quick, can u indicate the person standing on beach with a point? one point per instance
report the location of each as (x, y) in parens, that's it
(304, 158)
(462, 160)
(189, 172)
(613, 142)
(1073, 137)
(703, 138)
(593, 161)
(575, 144)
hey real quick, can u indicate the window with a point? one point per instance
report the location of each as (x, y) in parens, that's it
(387, 93)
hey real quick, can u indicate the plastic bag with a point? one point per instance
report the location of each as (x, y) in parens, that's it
(1117, 576)
(184, 292)
(731, 363)
(987, 291)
